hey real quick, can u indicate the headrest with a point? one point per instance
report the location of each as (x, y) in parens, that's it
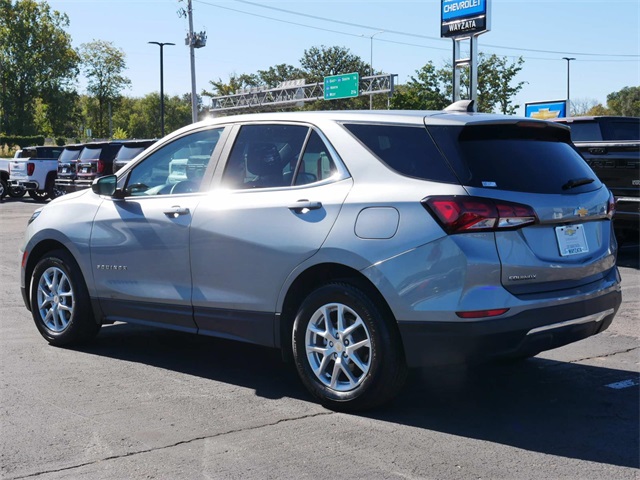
(264, 159)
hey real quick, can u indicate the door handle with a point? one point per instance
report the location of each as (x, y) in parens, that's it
(176, 211)
(304, 206)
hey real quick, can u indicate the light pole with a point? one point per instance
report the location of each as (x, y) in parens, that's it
(371, 65)
(568, 59)
(160, 44)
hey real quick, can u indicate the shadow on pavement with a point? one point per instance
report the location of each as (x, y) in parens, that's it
(556, 408)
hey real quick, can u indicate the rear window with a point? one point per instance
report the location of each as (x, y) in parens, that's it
(89, 153)
(127, 153)
(406, 149)
(585, 131)
(69, 154)
(513, 157)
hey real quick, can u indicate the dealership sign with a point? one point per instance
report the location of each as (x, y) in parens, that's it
(546, 110)
(464, 17)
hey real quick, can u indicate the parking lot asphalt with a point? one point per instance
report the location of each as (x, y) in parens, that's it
(145, 403)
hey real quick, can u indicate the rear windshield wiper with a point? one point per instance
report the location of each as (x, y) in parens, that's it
(577, 182)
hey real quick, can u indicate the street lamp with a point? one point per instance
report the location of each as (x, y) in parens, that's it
(160, 44)
(568, 59)
(371, 65)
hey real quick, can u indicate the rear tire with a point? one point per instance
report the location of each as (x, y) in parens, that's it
(60, 303)
(39, 196)
(17, 192)
(347, 352)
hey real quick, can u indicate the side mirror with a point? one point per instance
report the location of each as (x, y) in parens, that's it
(105, 185)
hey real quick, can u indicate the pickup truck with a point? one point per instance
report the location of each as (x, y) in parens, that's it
(611, 147)
(35, 169)
(5, 189)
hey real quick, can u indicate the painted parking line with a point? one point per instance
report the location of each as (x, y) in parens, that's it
(623, 384)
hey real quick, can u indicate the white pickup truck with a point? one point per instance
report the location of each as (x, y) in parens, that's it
(14, 192)
(34, 169)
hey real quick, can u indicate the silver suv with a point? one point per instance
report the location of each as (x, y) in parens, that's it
(359, 243)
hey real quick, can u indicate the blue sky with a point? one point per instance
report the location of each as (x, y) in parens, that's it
(244, 37)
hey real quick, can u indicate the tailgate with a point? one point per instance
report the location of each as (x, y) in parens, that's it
(572, 244)
(19, 170)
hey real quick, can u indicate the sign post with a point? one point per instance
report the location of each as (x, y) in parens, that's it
(342, 86)
(460, 20)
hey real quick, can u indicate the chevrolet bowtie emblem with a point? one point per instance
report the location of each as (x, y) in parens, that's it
(581, 212)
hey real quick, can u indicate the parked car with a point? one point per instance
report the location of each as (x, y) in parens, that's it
(128, 151)
(359, 243)
(67, 162)
(611, 147)
(95, 160)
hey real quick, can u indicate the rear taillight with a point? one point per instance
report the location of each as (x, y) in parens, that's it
(100, 166)
(30, 168)
(611, 207)
(460, 214)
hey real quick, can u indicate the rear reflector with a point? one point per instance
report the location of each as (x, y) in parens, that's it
(482, 313)
(460, 214)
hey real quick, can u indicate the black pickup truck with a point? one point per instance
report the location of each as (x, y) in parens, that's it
(611, 146)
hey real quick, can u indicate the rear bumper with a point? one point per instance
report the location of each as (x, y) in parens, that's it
(28, 185)
(524, 334)
(74, 185)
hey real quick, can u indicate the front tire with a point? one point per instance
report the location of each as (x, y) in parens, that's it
(60, 303)
(347, 351)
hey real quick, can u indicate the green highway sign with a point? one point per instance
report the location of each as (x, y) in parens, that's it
(342, 86)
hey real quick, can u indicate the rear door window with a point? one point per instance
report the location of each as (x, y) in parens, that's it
(514, 157)
(406, 149)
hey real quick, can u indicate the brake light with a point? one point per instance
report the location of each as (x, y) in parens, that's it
(460, 214)
(30, 168)
(100, 166)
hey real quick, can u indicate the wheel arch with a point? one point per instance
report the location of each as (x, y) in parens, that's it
(37, 252)
(312, 278)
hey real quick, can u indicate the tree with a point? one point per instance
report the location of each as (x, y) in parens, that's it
(495, 83)
(427, 91)
(36, 62)
(320, 62)
(432, 89)
(103, 65)
(582, 106)
(625, 102)
(274, 76)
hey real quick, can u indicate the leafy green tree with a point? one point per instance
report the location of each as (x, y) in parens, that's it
(432, 88)
(36, 62)
(277, 74)
(139, 116)
(625, 102)
(320, 62)
(426, 91)
(103, 65)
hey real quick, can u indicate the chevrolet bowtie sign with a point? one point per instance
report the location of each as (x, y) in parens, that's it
(464, 17)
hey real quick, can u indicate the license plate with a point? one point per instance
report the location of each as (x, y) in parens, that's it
(65, 170)
(571, 240)
(85, 170)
